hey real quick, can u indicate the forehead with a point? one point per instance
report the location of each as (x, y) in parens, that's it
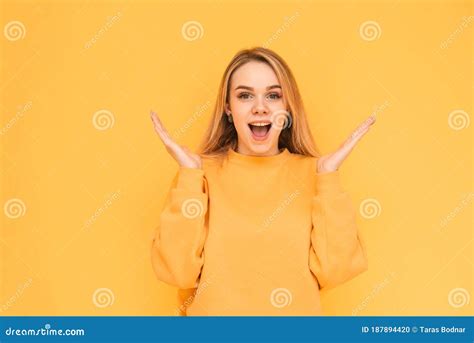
(258, 75)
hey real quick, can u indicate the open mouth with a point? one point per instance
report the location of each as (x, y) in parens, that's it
(260, 130)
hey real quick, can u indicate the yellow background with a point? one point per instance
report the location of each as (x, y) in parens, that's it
(92, 197)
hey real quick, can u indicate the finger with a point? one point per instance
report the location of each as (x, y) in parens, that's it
(159, 127)
(161, 131)
(156, 121)
(366, 123)
(348, 145)
(352, 141)
(358, 133)
(354, 138)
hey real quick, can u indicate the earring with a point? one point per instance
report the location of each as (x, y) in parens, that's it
(229, 118)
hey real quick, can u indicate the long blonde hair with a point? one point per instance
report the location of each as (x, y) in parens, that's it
(221, 135)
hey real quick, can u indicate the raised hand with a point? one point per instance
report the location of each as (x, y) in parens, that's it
(181, 154)
(331, 162)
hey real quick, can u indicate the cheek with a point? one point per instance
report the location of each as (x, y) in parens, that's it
(240, 108)
(240, 124)
(277, 105)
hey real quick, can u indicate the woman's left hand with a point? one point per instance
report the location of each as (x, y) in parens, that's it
(331, 162)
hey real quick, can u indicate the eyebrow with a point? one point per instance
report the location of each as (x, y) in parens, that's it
(251, 89)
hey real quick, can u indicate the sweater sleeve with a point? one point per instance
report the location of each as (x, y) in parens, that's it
(337, 252)
(178, 242)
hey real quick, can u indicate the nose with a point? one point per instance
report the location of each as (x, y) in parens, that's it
(259, 107)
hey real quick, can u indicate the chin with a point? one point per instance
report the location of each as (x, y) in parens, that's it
(260, 147)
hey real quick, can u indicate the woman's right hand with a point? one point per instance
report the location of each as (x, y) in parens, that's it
(181, 154)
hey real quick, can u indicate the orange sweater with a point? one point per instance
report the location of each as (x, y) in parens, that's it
(257, 236)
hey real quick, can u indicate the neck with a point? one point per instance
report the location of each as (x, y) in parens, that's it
(245, 151)
(259, 160)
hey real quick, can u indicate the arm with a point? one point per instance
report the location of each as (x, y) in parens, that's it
(337, 252)
(177, 247)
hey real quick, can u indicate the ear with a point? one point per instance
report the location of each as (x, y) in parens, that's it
(227, 109)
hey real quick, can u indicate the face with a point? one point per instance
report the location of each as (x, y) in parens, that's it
(257, 107)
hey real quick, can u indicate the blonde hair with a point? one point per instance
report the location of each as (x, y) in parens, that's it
(221, 135)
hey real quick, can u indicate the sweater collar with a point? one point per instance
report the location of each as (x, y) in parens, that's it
(252, 160)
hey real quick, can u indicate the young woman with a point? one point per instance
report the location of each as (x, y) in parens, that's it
(257, 222)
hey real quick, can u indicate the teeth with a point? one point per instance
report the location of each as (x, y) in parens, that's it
(260, 124)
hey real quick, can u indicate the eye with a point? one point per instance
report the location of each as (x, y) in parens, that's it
(274, 96)
(243, 95)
